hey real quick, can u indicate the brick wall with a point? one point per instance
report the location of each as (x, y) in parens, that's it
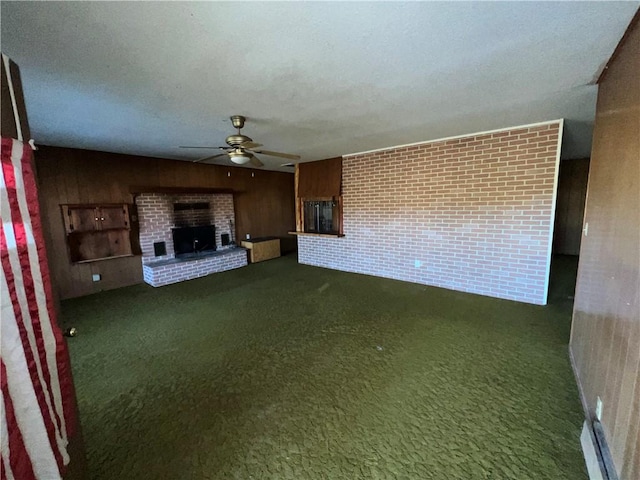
(157, 217)
(193, 217)
(473, 214)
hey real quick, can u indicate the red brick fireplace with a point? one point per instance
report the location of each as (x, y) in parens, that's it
(160, 213)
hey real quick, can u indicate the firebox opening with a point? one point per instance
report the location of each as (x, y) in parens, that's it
(190, 240)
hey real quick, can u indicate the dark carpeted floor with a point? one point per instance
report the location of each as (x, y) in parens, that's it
(280, 370)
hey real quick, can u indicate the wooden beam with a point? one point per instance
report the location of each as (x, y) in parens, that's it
(298, 201)
(179, 190)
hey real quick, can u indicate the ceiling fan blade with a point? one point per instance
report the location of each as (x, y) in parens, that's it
(198, 147)
(255, 161)
(250, 145)
(200, 160)
(290, 156)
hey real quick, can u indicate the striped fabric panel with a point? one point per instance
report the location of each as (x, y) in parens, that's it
(36, 382)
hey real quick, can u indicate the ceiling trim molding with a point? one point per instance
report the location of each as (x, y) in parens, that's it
(454, 137)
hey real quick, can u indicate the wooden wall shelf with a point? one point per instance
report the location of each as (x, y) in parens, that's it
(106, 258)
(334, 235)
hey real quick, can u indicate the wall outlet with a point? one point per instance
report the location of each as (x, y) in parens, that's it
(417, 263)
(96, 277)
(599, 409)
(248, 236)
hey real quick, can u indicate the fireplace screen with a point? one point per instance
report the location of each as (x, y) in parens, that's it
(194, 239)
(319, 217)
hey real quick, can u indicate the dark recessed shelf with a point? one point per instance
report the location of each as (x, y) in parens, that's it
(332, 235)
(178, 207)
(106, 258)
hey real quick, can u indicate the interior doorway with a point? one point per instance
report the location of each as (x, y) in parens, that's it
(572, 192)
(569, 218)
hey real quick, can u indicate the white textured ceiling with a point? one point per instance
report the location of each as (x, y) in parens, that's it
(317, 79)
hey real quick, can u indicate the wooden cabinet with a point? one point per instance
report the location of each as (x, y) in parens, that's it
(97, 232)
(91, 218)
(261, 249)
(318, 192)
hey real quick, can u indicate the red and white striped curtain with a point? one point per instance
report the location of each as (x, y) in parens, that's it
(37, 391)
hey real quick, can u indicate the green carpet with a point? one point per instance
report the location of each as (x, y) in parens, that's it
(285, 371)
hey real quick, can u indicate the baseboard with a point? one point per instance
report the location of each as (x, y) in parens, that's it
(590, 452)
(591, 449)
(583, 399)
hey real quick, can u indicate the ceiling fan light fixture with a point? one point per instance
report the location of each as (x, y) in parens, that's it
(241, 149)
(239, 157)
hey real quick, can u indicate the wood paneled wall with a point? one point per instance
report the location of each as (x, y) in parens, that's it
(320, 179)
(264, 203)
(572, 192)
(605, 337)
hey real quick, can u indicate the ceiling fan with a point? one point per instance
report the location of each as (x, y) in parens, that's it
(242, 149)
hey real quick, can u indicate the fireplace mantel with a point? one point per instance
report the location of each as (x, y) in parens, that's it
(136, 189)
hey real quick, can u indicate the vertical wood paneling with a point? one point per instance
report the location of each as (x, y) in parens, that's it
(605, 337)
(320, 179)
(264, 204)
(299, 225)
